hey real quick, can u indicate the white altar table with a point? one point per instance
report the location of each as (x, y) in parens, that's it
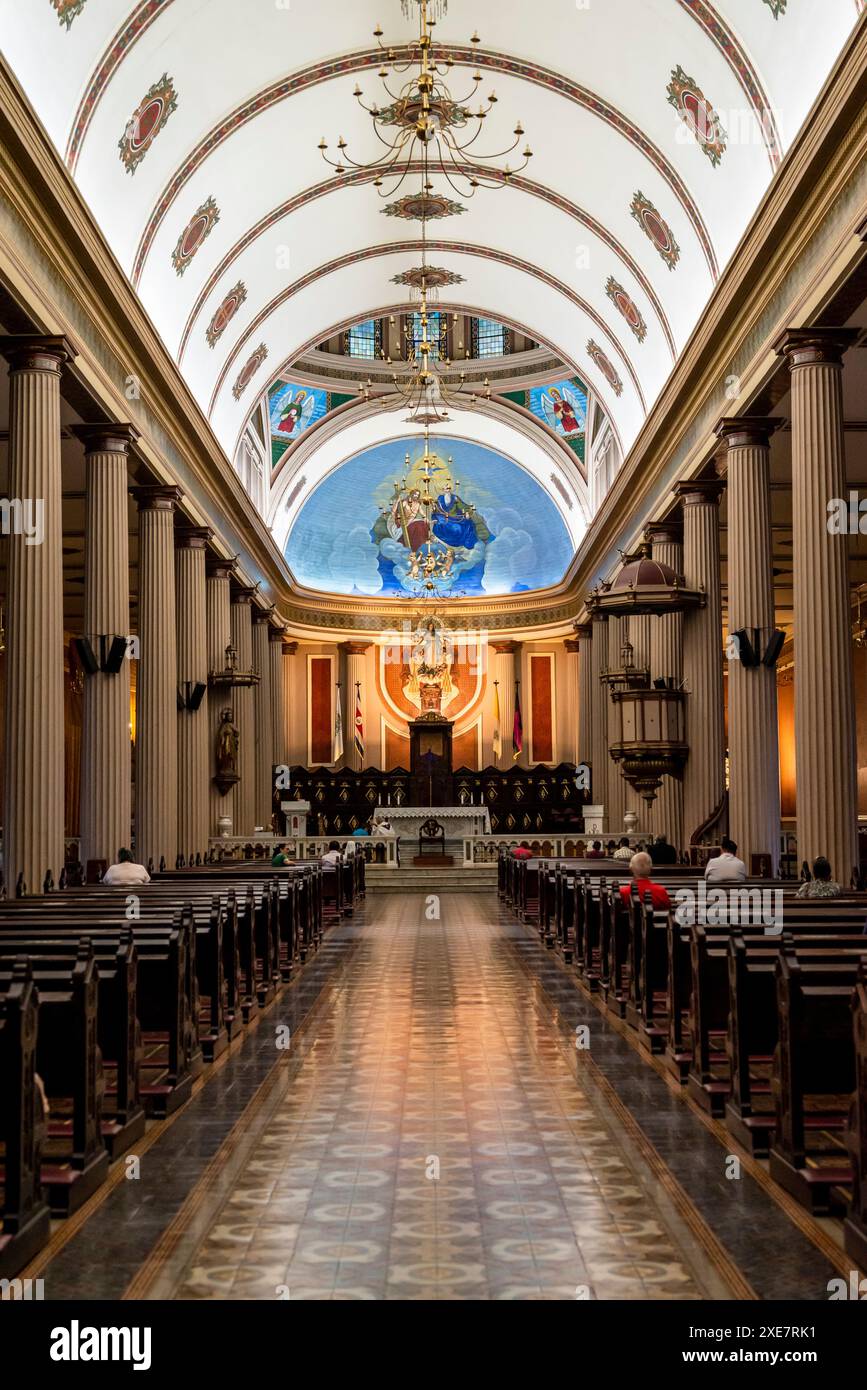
(458, 821)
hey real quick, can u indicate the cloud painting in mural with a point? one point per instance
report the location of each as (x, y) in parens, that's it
(490, 526)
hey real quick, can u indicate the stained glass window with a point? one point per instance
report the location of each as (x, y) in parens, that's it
(490, 339)
(365, 339)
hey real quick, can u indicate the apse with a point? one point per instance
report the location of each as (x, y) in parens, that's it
(489, 528)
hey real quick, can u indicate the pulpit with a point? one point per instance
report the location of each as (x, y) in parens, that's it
(430, 760)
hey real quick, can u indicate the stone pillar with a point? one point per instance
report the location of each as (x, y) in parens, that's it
(263, 805)
(754, 763)
(288, 651)
(584, 634)
(193, 759)
(573, 679)
(218, 638)
(618, 632)
(355, 676)
(825, 747)
(599, 719)
(156, 785)
(244, 791)
(506, 669)
(34, 777)
(279, 746)
(106, 761)
(666, 659)
(704, 776)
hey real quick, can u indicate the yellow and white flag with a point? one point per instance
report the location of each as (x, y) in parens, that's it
(497, 740)
(337, 752)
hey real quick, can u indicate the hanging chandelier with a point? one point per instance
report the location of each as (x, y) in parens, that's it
(422, 122)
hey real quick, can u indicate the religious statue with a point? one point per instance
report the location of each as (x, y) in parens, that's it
(228, 741)
(430, 685)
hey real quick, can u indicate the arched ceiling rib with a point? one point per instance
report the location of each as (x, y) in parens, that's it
(248, 89)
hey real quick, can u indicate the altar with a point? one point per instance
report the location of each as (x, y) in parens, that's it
(457, 821)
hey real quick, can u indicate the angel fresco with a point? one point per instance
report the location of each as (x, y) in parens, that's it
(296, 415)
(563, 409)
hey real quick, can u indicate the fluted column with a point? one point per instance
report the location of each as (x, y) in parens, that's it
(244, 791)
(599, 720)
(264, 742)
(704, 776)
(279, 747)
(573, 680)
(34, 787)
(106, 762)
(506, 656)
(825, 746)
(754, 762)
(193, 760)
(584, 635)
(666, 660)
(156, 787)
(218, 638)
(289, 651)
(618, 632)
(355, 681)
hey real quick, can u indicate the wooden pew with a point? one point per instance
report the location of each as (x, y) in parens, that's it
(25, 1220)
(855, 1227)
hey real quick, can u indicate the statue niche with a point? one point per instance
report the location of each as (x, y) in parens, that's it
(228, 742)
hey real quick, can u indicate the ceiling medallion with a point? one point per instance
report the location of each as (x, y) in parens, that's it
(200, 225)
(422, 120)
(249, 370)
(226, 312)
(697, 114)
(655, 226)
(146, 122)
(433, 276)
(423, 207)
(627, 306)
(605, 367)
(68, 10)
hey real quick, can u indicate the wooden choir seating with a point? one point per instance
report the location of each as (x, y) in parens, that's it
(114, 1000)
(765, 1026)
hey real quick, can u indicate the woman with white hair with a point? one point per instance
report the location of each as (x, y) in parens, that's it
(640, 866)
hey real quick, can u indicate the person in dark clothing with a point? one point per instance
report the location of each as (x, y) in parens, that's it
(661, 852)
(597, 851)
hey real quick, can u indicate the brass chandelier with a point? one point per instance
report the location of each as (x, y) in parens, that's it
(422, 122)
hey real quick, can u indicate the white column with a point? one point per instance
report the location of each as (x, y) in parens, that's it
(244, 791)
(279, 746)
(506, 655)
(573, 681)
(193, 759)
(666, 659)
(264, 778)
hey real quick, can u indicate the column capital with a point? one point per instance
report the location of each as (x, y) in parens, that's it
(290, 648)
(814, 347)
(262, 615)
(216, 567)
(748, 431)
(193, 537)
(664, 531)
(243, 593)
(37, 352)
(700, 492)
(505, 648)
(572, 645)
(277, 633)
(105, 437)
(583, 631)
(157, 497)
(355, 648)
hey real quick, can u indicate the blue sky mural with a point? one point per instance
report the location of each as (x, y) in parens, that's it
(489, 527)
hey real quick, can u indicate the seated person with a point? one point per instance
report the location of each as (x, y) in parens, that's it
(521, 851)
(640, 866)
(361, 830)
(279, 859)
(661, 852)
(332, 856)
(125, 871)
(622, 851)
(821, 885)
(610, 848)
(725, 867)
(596, 851)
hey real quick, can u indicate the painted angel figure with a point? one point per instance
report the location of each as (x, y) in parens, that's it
(563, 409)
(296, 416)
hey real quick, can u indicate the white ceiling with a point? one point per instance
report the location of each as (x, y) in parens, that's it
(589, 82)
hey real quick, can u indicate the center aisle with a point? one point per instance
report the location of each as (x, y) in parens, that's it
(434, 1142)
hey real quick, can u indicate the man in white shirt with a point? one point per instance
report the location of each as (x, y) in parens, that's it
(125, 871)
(332, 855)
(726, 867)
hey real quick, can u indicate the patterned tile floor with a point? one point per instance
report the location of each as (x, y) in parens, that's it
(437, 1138)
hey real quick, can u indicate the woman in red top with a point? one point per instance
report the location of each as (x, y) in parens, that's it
(641, 865)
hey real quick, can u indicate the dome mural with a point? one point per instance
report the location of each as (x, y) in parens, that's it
(386, 518)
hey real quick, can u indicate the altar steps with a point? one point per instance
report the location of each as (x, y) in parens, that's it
(482, 878)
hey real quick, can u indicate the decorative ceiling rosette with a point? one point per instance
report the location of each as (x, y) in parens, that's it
(603, 362)
(200, 226)
(697, 114)
(655, 226)
(249, 370)
(226, 312)
(627, 306)
(146, 122)
(423, 207)
(435, 277)
(68, 10)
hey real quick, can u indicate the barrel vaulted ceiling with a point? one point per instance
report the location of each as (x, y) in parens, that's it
(191, 128)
